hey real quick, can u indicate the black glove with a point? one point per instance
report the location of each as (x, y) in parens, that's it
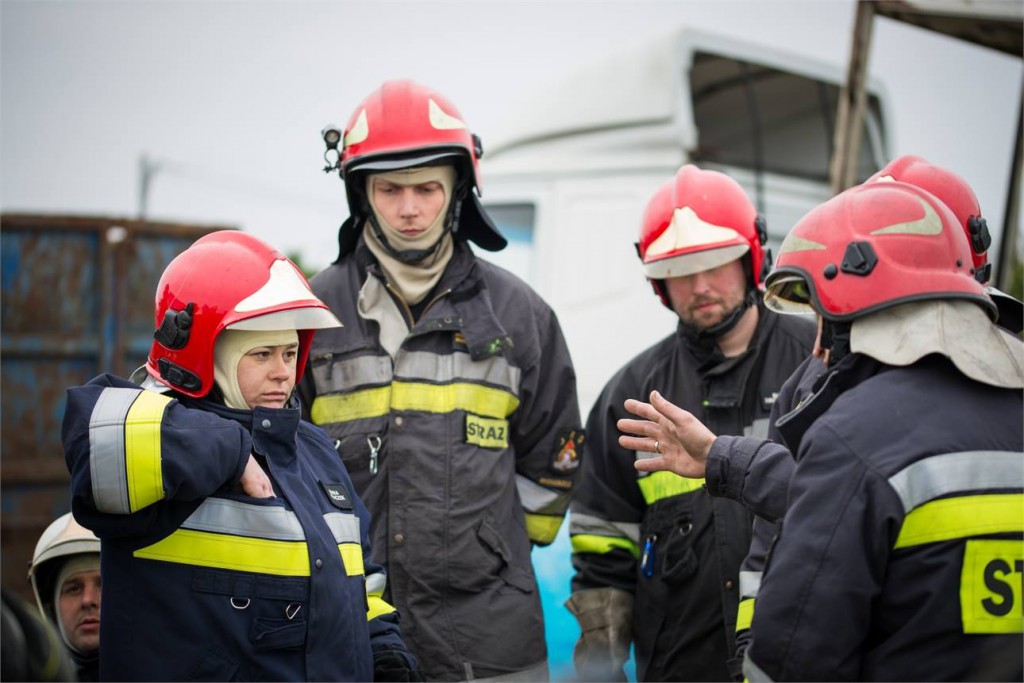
(395, 665)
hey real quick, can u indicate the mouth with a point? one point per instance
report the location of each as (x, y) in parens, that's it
(89, 625)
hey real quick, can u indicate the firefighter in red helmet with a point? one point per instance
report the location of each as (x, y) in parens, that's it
(450, 393)
(233, 543)
(903, 525)
(657, 560)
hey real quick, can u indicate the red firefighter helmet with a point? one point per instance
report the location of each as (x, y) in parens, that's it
(401, 125)
(951, 190)
(871, 247)
(697, 221)
(227, 279)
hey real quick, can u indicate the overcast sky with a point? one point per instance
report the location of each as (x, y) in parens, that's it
(228, 98)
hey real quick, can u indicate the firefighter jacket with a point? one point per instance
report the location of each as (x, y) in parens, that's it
(202, 582)
(662, 537)
(902, 548)
(462, 434)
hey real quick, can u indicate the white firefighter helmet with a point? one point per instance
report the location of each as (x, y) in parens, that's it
(63, 539)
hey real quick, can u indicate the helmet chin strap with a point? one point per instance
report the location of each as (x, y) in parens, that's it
(835, 337)
(411, 256)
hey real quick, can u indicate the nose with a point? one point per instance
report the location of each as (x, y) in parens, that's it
(91, 595)
(409, 205)
(700, 283)
(281, 368)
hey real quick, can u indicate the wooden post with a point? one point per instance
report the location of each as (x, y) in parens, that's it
(852, 97)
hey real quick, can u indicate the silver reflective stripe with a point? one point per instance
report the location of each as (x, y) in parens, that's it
(375, 584)
(580, 524)
(758, 429)
(750, 584)
(345, 527)
(217, 515)
(752, 672)
(948, 473)
(444, 368)
(537, 499)
(351, 373)
(106, 450)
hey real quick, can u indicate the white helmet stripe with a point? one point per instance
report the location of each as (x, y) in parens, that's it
(284, 286)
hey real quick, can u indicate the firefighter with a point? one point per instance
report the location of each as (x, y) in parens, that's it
(450, 392)
(904, 534)
(234, 545)
(656, 558)
(65, 578)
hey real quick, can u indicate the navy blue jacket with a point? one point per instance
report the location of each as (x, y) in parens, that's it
(201, 581)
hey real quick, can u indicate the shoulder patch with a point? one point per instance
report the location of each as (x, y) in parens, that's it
(567, 459)
(339, 496)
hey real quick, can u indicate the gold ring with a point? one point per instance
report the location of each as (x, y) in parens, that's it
(657, 446)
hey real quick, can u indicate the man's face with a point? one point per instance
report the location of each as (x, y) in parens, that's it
(705, 299)
(80, 610)
(408, 209)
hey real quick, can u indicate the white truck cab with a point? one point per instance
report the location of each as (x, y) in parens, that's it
(568, 182)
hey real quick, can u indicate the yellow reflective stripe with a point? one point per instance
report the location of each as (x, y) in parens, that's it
(991, 592)
(444, 398)
(589, 543)
(429, 398)
(355, 406)
(352, 556)
(376, 606)
(542, 529)
(661, 485)
(744, 614)
(142, 450)
(950, 518)
(241, 553)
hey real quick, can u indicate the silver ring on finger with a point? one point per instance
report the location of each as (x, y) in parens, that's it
(657, 446)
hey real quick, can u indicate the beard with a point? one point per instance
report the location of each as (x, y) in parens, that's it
(699, 321)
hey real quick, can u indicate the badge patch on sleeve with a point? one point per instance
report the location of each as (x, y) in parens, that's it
(486, 432)
(339, 496)
(568, 457)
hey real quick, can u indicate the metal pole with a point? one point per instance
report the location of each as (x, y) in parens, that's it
(852, 97)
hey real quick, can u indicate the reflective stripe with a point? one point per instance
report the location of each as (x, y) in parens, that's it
(345, 527)
(963, 517)
(106, 450)
(542, 528)
(948, 473)
(758, 429)
(142, 450)
(445, 398)
(430, 398)
(221, 516)
(536, 498)
(375, 583)
(587, 543)
(353, 372)
(581, 524)
(352, 557)
(376, 606)
(744, 614)
(751, 671)
(660, 485)
(449, 367)
(223, 551)
(124, 442)
(750, 584)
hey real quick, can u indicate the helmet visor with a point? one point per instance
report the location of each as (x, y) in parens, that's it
(789, 294)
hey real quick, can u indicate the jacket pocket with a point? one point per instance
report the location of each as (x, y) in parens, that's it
(277, 634)
(485, 558)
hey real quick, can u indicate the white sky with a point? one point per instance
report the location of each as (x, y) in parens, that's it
(229, 97)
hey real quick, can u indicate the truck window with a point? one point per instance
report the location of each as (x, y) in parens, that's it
(787, 120)
(516, 222)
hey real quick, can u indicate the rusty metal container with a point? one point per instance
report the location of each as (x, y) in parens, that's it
(76, 299)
